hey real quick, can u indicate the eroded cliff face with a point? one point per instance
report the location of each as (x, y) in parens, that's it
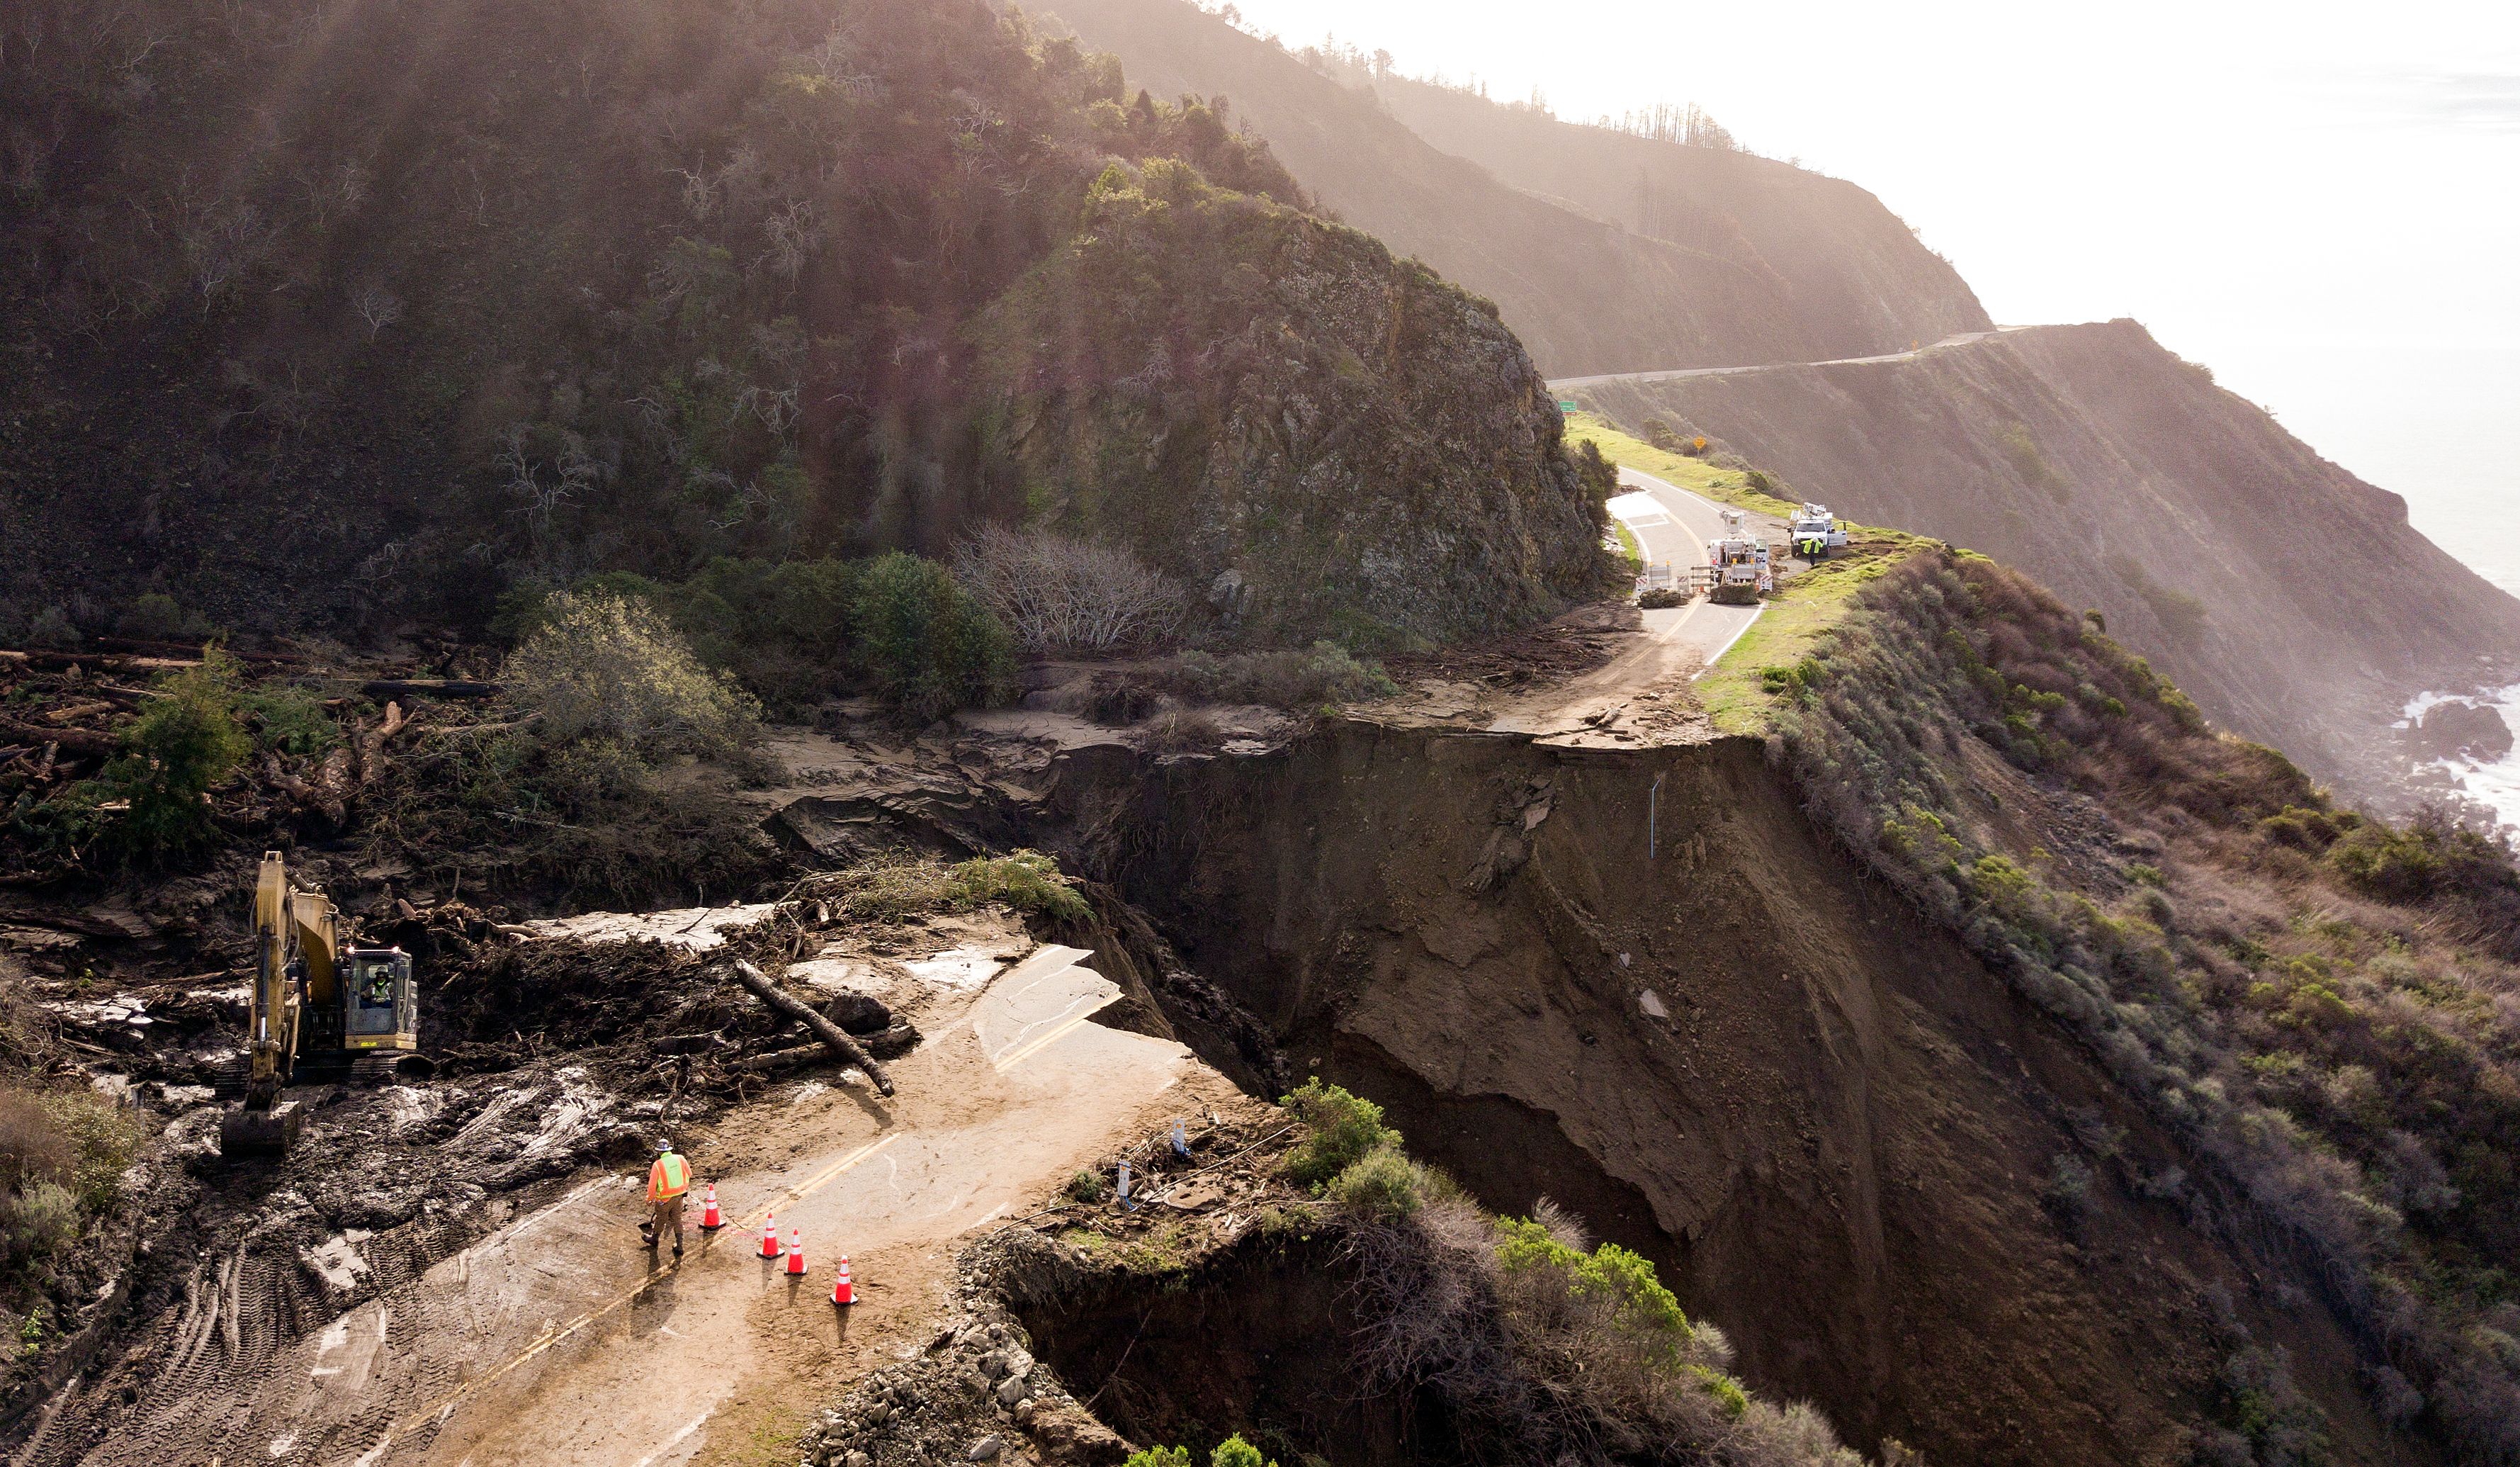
(1638, 983)
(1739, 260)
(2289, 598)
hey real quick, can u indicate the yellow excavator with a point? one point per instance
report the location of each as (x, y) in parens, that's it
(319, 1010)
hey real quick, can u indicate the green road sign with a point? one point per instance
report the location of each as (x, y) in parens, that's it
(1564, 406)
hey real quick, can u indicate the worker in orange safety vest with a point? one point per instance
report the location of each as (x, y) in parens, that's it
(667, 1182)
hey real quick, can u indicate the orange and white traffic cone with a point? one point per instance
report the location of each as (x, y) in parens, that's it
(795, 1255)
(711, 1220)
(842, 1291)
(769, 1236)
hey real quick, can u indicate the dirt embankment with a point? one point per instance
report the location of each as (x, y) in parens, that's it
(1637, 984)
(1735, 260)
(2289, 598)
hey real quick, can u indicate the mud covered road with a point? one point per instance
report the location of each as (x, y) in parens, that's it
(553, 1339)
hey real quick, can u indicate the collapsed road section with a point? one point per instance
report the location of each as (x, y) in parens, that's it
(511, 1316)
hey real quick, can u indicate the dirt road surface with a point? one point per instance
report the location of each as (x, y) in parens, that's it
(555, 1340)
(1632, 695)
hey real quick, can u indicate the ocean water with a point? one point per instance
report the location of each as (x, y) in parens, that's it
(2495, 786)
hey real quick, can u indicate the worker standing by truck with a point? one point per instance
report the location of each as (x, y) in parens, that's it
(667, 1181)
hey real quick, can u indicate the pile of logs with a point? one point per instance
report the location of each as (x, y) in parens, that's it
(63, 713)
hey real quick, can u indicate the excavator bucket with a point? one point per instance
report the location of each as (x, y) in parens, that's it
(246, 1132)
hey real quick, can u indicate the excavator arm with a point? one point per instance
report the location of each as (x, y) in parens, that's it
(293, 936)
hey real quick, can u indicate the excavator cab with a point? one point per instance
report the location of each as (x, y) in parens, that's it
(380, 1008)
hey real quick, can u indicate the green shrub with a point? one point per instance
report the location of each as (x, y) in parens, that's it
(892, 886)
(1159, 1457)
(2432, 856)
(1345, 1129)
(1382, 1186)
(152, 800)
(928, 646)
(290, 720)
(157, 617)
(604, 667)
(1026, 880)
(102, 1141)
(38, 1225)
(1234, 1451)
(2303, 829)
(52, 628)
(1087, 1187)
(1729, 1396)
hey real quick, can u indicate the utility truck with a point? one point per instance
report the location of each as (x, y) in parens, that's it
(1817, 534)
(1738, 564)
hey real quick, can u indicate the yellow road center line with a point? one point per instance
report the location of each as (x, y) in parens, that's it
(452, 1399)
(1046, 1041)
(821, 1179)
(1092, 1002)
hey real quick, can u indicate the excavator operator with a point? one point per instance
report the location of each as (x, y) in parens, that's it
(667, 1181)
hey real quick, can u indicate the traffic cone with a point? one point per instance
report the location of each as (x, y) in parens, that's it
(769, 1236)
(795, 1255)
(711, 1220)
(842, 1291)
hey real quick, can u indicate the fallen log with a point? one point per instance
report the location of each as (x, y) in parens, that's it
(429, 687)
(161, 648)
(115, 660)
(372, 743)
(834, 1038)
(73, 740)
(784, 1059)
(331, 788)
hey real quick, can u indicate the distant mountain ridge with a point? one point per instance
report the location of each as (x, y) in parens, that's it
(1749, 260)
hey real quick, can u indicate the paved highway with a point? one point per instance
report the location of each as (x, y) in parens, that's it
(1671, 524)
(1961, 338)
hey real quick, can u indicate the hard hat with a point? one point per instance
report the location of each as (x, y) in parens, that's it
(664, 1146)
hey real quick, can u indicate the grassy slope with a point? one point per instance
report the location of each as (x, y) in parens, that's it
(1735, 690)
(2321, 1006)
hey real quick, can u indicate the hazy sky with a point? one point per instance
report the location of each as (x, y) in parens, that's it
(2319, 201)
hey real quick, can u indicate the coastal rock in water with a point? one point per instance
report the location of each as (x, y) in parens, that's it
(2472, 731)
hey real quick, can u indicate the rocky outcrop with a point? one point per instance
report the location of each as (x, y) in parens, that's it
(1722, 258)
(2289, 598)
(1325, 439)
(2461, 730)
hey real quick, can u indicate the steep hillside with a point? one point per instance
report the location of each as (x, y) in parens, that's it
(1742, 259)
(1860, 282)
(1999, 1057)
(357, 316)
(2290, 598)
